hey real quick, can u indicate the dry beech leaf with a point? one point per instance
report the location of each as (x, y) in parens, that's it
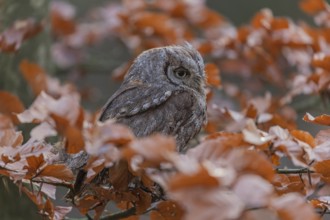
(5, 122)
(322, 167)
(208, 18)
(33, 164)
(153, 149)
(245, 187)
(74, 139)
(313, 7)
(34, 75)
(251, 161)
(321, 60)
(202, 178)
(212, 74)
(11, 39)
(303, 136)
(143, 202)
(10, 104)
(292, 206)
(167, 210)
(10, 137)
(58, 171)
(60, 212)
(152, 23)
(287, 184)
(67, 106)
(322, 136)
(262, 19)
(62, 14)
(321, 119)
(279, 24)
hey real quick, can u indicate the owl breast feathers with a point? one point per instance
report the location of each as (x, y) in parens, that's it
(163, 92)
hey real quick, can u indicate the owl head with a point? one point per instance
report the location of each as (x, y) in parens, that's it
(181, 66)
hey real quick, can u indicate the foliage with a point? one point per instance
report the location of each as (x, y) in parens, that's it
(232, 172)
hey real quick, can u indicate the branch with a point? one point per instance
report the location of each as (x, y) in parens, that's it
(63, 184)
(293, 171)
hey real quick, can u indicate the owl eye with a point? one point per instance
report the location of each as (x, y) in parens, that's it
(181, 72)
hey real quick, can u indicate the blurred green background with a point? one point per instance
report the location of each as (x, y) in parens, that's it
(101, 61)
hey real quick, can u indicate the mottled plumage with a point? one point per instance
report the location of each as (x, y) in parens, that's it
(163, 92)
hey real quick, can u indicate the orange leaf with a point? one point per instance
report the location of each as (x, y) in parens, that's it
(59, 171)
(144, 201)
(10, 104)
(202, 178)
(262, 19)
(209, 18)
(34, 163)
(279, 23)
(167, 210)
(61, 24)
(74, 137)
(212, 74)
(312, 7)
(321, 120)
(34, 75)
(12, 38)
(322, 167)
(159, 24)
(292, 206)
(321, 60)
(303, 136)
(10, 137)
(5, 122)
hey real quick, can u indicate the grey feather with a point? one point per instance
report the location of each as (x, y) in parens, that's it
(163, 92)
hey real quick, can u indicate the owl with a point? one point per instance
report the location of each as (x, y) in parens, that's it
(162, 92)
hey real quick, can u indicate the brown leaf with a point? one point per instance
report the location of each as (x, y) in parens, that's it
(313, 7)
(74, 138)
(262, 19)
(5, 122)
(120, 176)
(62, 14)
(167, 210)
(322, 167)
(60, 212)
(143, 202)
(10, 137)
(12, 38)
(287, 207)
(303, 136)
(154, 149)
(158, 24)
(207, 18)
(245, 187)
(321, 119)
(212, 74)
(33, 164)
(251, 161)
(10, 104)
(321, 60)
(279, 24)
(322, 136)
(66, 106)
(59, 171)
(34, 75)
(202, 178)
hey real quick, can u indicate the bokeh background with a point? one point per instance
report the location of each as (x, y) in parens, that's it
(94, 76)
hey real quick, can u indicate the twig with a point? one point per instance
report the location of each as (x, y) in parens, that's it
(124, 214)
(293, 171)
(66, 185)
